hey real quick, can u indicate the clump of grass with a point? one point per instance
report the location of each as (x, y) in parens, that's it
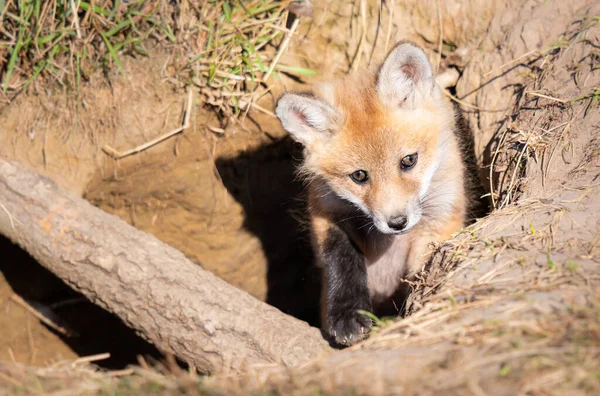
(65, 41)
(223, 47)
(231, 56)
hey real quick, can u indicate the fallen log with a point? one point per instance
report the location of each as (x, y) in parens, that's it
(151, 286)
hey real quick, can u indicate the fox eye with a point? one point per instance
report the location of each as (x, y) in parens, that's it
(409, 161)
(359, 176)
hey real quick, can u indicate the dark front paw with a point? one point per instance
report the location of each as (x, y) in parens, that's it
(348, 327)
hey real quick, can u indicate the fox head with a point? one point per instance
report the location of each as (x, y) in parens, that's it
(376, 141)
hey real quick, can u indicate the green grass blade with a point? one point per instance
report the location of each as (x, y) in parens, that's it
(113, 53)
(118, 28)
(13, 60)
(166, 29)
(378, 321)
(227, 12)
(98, 10)
(36, 72)
(116, 5)
(259, 10)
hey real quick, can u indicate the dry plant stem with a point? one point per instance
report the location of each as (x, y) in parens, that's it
(514, 175)
(388, 34)
(282, 48)
(262, 110)
(511, 62)
(11, 380)
(91, 358)
(186, 123)
(441, 39)
(363, 35)
(491, 174)
(539, 95)
(75, 18)
(59, 329)
(153, 288)
(121, 373)
(470, 106)
(564, 131)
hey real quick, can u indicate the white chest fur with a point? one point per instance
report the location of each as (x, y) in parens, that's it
(386, 266)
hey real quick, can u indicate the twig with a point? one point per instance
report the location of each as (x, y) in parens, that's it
(262, 109)
(75, 18)
(91, 358)
(282, 48)
(44, 152)
(32, 349)
(491, 176)
(454, 98)
(215, 129)
(562, 134)
(511, 61)
(230, 76)
(121, 373)
(186, 123)
(514, 174)
(389, 27)
(517, 354)
(86, 17)
(361, 44)
(12, 355)
(17, 299)
(441, 39)
(376, 32)
(10, 380)
(546, 97)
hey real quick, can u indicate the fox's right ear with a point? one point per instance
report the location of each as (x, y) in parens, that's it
(306, 118)
(405, 74)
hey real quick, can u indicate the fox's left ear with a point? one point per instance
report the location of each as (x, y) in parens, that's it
(405, 73)
(306, 117)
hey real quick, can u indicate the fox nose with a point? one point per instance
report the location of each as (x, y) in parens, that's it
(398, 223)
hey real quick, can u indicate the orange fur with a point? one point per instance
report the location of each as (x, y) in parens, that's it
(373, 136)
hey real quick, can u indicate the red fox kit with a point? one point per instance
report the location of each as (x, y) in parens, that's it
(385, 179)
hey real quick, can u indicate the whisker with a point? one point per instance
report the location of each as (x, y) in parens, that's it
(352, 217)
(366, 224)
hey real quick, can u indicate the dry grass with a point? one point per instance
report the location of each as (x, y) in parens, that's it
(515, 146)
(226, 48)
(77, 377)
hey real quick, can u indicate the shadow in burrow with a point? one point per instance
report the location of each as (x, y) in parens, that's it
(476, 175)
(264, 182)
